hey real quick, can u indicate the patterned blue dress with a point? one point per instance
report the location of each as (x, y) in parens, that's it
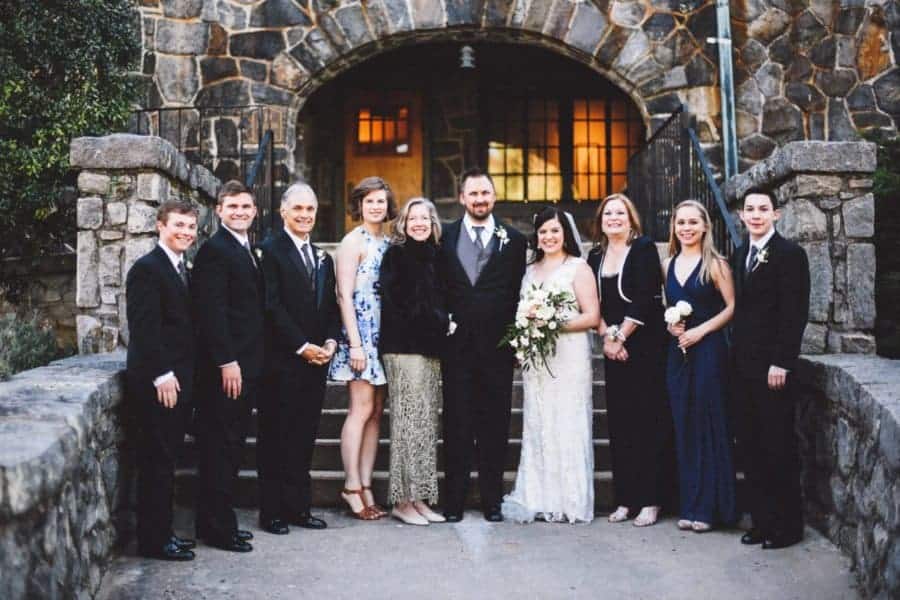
(367, 303)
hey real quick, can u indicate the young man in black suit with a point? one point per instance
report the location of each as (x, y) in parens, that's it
(228, 306)
(160, 373)
(303, 322)
(482, 261)
(772, 306)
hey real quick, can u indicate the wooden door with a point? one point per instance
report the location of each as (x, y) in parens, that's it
(383, 138)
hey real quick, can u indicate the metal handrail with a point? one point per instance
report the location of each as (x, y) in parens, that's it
(733, 234)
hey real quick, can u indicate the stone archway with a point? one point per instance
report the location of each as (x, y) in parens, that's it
(651, 52)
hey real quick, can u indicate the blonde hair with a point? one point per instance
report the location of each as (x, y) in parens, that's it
(398, 234)
(709, 256)
(599, 237)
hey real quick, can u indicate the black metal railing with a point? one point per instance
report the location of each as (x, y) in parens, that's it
(672, 167)
(233, 142)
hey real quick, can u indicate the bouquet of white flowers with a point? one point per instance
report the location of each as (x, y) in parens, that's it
(539, 319)
(678, 313)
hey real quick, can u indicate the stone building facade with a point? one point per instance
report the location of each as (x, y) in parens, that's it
(804, 70)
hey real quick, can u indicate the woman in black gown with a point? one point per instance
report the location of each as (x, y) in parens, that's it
(629, 275)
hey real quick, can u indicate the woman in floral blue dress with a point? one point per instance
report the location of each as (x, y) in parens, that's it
(356, 360)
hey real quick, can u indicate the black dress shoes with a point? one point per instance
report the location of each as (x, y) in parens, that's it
(493, 515)
(183, 543)
(776, 542)
(453, 517)
(307, 521)
(234, 545)
(753, 537)
(274, 526)
(243, 535)
(170, 551)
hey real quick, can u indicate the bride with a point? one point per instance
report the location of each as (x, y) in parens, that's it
(555, 481)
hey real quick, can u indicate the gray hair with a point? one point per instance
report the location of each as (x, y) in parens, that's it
(398, 236)
(298, 187)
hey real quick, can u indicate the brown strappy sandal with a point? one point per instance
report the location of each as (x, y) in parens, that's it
(375, 507)
(365, 513)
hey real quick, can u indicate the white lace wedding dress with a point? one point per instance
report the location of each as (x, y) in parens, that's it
(555, 481)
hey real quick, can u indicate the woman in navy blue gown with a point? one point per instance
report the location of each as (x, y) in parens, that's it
(696, 376)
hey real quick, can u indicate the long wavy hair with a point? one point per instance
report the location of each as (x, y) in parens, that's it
(709, 256)
(600, 238)
(398, 232)
(570, 246)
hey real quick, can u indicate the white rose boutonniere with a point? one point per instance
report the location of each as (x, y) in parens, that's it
(320, 255)
(188, 265)
(501, 234)
(762, 257)
(259, 253)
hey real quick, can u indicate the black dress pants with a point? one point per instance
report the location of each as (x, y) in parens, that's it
(765, 427)
(222, 424)
(477, 406)
(289, 411)
(160, 440)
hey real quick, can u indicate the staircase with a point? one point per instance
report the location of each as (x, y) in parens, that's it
(327, 471)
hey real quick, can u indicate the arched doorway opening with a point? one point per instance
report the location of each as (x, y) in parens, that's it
(548, 129)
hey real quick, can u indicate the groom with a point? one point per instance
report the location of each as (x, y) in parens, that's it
(483, 261)
(772, 306)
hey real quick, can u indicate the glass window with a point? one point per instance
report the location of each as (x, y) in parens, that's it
(382, 130)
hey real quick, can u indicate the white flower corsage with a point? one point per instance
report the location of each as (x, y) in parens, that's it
(320, 255)
(501, 234)
(259, 253)
(188, 265)
(762, 257)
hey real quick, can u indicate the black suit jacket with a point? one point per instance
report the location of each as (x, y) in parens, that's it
(228, 305)
(160, 328)
(295, 313)
(771, 308)
(484, 310)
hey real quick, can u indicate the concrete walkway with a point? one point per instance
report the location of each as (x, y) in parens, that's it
(476, 559)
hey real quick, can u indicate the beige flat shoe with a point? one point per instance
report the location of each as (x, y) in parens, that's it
(431, 516)
(648, 516)
(620, 514)
(700, 526)
(410, 518)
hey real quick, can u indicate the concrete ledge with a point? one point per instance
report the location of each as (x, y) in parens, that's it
(849, 425)
(125, 151)
(803, 157)
(61, 474)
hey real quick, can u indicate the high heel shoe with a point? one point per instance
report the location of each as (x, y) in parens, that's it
(374, 506)
(365, 513)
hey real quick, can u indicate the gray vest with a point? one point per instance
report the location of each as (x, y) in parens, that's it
(470, 255)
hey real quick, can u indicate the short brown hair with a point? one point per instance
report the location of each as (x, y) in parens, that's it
(181, 207)
(233, 187)
(633, 218)
(474, 172)
(366, 187)
(759, 192)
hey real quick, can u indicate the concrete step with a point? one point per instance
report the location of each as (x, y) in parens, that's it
(328, 484)
(327, 455)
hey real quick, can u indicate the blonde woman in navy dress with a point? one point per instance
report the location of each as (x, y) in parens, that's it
(356, 360)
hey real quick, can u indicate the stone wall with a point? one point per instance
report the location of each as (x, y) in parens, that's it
(63, 474)
(849, 426)
(824, 191)
(122, 181)
(47, 289)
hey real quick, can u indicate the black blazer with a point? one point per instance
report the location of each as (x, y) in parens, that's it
(160, 328)
(484, 310)
(413, 314)
(640, 283)
(228, 305)
(295, 313)
(771, 307)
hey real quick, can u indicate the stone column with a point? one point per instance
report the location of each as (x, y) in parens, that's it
(824, 191)
(123, 180)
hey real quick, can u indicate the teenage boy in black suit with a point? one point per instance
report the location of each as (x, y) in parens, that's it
(482, 260)
(228, 307)
(160, 373)
(303, 323)
(772, 306)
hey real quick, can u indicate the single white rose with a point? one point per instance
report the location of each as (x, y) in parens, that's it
(552, 324)
(513, 343)
(684, 308)
(672, 315)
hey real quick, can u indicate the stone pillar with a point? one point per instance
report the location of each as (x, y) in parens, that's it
(824, 191)
(123, 180)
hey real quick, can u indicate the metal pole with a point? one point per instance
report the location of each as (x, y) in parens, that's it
(726, 87)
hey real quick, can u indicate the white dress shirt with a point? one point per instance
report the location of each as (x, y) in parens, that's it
(486, 233)
(175, 258)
